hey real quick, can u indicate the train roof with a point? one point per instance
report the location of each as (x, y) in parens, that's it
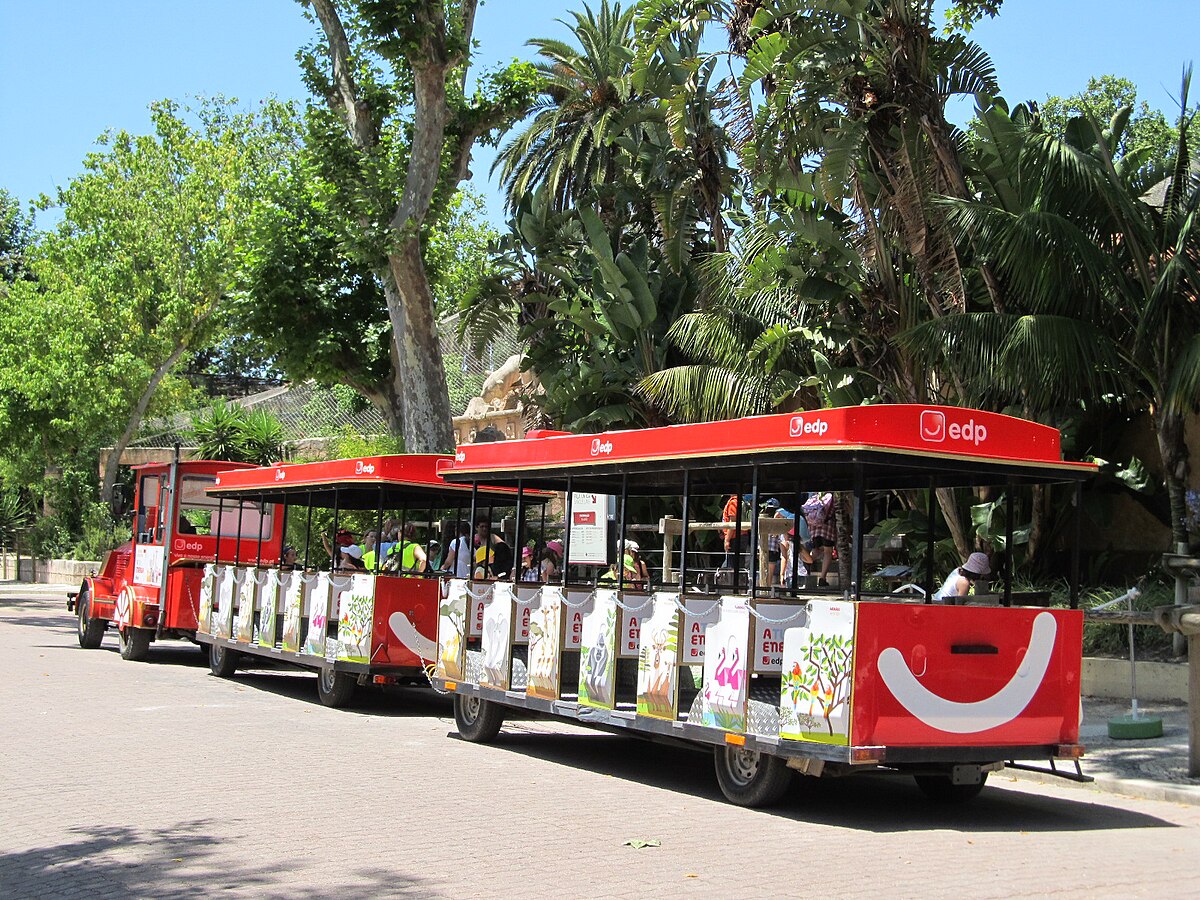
(894, 446)
(357, 483)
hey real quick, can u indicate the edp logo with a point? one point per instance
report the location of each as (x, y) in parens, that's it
(935, 429)
(600, 448)
(799, 427)
(361, 468)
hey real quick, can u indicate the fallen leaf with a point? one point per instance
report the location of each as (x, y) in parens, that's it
(691, 875)
(177, 859)
(638, 844)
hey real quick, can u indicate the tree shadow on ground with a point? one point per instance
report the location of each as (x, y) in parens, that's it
(875, 803)
(189, 859)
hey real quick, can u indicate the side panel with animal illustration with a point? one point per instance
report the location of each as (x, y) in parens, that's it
(208, 587)
(452, 631)
(248, 599)
(818, 666)
(723, 703)
(597, 655)
(497, 637)
(227, 587)
(658, 660)
(545, 644)
(293, 609)
(268, 605)
(318, 616)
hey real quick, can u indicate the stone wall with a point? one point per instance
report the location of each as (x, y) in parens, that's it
(46, 571)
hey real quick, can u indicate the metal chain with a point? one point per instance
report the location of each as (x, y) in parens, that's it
(784, 621)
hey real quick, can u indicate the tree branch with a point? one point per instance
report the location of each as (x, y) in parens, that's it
(357, 113)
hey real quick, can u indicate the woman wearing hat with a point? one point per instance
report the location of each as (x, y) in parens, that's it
(960, 582)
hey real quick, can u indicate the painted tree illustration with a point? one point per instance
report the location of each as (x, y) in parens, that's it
(822, 675)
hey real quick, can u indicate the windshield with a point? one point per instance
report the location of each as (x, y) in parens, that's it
(197, 512)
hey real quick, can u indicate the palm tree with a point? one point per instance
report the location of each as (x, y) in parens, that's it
(1107, 273)
(570, 147)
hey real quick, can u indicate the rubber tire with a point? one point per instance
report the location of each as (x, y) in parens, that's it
(222, 661)
(478, 721)
(91, 631)
(750, 778)
(940, 789)
(334, 689)
(134, 643)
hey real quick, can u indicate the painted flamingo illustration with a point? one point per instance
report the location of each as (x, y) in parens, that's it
(722, 669)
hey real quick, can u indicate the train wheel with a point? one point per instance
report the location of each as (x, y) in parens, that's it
(222, 661)
(942, 789)
(750, 778)
(134, 643)
(335, 688)
(478, 720)
(91, 631)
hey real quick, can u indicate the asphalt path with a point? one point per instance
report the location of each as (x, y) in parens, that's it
(157, 779)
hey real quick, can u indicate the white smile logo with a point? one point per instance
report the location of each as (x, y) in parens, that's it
(361, 468)
(934, 429)
(600, 448)
(991, 712)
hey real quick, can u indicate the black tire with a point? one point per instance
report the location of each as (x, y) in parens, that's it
(222, 661)
(335, 688)
(478, 721)
(91, 631)
(750, 778)
(941, 789)
(134, 643)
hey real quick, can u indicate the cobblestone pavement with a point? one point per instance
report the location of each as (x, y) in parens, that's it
(157, 779)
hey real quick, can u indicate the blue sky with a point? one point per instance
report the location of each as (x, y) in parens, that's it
(69, 69)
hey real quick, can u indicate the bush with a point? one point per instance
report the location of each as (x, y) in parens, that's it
(48, 538)
(100, 532)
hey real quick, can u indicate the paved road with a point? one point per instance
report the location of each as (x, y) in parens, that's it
(156, 779)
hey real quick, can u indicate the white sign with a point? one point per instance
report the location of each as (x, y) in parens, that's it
(148, 565)
(768, 635)
(589, 530)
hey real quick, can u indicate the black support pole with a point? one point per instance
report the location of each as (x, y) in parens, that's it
(517, 532)
(683, 535)
(308, 531)
(567, 529)
(856, 552)
(753, 533)
(1077, 502)
(931, 540)
(621, 533)
(1008, 542)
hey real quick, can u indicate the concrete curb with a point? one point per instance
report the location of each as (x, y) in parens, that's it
(1136, 788)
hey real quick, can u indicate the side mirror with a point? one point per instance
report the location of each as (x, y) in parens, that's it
(119, 502)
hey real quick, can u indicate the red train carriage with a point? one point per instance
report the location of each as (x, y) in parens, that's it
(375, 622)
(777, 677)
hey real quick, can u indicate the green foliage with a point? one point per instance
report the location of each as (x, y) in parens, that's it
(16, 238)
(1105, 96)
(231, 432)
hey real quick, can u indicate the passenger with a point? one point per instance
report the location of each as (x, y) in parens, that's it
(962, 580)
(351, 559)
(458, 557)
(407, 556)
(548, 564)
(287, 560)
(493, 556)
(637, 575)
(529, 572)
(772, 509)
(368, 549)
(733, 537)
(822, 526)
